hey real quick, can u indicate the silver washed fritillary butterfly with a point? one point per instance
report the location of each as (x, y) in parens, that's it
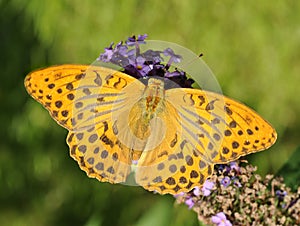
(169, 138)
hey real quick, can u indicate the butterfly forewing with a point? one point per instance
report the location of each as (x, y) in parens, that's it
(54, 88)
(81, 98)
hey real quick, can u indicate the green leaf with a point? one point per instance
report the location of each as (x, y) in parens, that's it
(290, 170)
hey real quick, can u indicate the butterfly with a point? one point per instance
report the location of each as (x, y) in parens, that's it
(169, 139)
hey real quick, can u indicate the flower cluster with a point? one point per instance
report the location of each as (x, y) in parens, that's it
(235, 195)
(139, 64)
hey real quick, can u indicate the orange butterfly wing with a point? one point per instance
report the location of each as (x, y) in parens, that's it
(79, 98)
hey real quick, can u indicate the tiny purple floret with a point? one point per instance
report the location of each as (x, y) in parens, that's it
(196, 191)
(225, 181)
(190, 202)
(234, 166)
(220, 220)
(207, 187)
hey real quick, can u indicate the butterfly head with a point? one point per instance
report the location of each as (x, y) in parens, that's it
(155, 88)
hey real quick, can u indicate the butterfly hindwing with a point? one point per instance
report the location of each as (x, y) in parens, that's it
(185, 166)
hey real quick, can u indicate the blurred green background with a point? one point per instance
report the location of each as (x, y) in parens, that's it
(252, 47)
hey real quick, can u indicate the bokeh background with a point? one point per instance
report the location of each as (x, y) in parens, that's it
(252, 47)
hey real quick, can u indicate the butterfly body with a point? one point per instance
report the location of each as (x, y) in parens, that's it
(173, 137)
(148, 107)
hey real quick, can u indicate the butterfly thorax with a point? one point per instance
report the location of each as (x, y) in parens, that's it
(147, 108)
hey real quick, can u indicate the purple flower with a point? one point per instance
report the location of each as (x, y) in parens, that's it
(196, 191)
(175, 73)
(131, 41)
(138, 67)
(220, 220)
(280, 194)
(207, 187)
(234, 166)
(225, 181)
(173, 57)
(140, 64)
(226, 168)
(107, 55)
(189, 202)
(121, 49)
(220, 167)
(179, 194)
(153, 56)
(169, 52)
(121, 55)
(236, 182)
